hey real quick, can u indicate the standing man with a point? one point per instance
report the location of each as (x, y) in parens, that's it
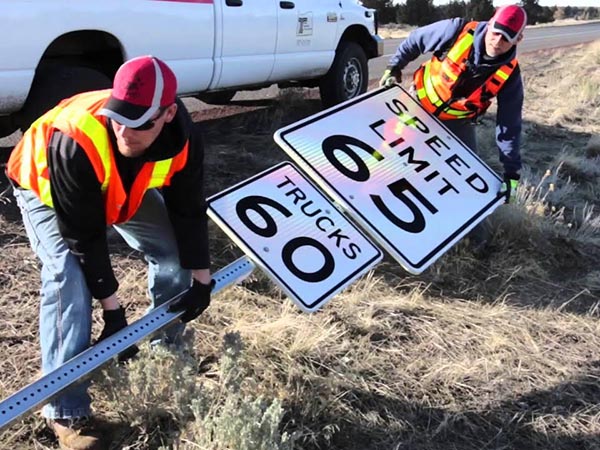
(472, 62)
(97, 160)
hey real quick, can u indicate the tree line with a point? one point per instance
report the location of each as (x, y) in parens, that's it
(423, 12)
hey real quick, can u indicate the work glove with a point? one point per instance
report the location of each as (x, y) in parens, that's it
(390, 76)
(194, 301)
(509, 187)
(114, 320)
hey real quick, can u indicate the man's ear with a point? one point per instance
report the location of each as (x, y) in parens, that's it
(170, 112)
(520, 38)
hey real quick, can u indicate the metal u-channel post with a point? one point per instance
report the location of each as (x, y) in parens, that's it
(77, 368)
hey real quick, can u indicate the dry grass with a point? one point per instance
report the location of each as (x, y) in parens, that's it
(496, 351)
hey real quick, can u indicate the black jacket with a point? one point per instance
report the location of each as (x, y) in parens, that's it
(79, 204)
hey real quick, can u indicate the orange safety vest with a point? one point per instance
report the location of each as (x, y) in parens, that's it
(436, 79)
(77, 117)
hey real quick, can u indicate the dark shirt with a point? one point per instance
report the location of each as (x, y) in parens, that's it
(79, 204)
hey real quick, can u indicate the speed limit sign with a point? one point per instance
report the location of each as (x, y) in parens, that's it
(398, 172)
(294, 234)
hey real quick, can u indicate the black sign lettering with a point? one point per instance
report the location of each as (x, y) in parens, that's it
(402, 112)
(411, 160)
(286, 182)
(380, 122)
(435, 142)
(432, 175)
(313, 213)
(352, 251)
(448, 186)
(397, 188)
(340, 142)
(298, 195)
(455, 161)
(338, 236)
(477, 183)
(254, 203)
(323, 273)
(374, 126)
(400, 107)
(324, 219)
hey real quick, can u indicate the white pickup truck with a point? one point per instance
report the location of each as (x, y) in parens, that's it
(51, 49)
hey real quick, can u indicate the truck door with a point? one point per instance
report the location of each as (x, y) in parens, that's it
(306, 38)
(248, 36)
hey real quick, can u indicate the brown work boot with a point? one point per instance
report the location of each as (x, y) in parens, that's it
(77, 434)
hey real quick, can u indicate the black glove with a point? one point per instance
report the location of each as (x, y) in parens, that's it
(390, 76)
(194, 301)
(114, 320)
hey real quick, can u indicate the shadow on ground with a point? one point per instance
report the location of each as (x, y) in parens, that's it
(519, 423)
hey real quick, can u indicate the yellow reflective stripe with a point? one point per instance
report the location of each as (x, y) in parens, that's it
(39, 155)
(458, 114)
(452, 75)
(44, 188)
(434, 98)
(96, 132)
(428, 88)
(460, 47)
(159, 173)
(430, 93)
(31, 153)
(502, 74)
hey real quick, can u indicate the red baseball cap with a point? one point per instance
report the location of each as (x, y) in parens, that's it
(509, 20)
(142, 85)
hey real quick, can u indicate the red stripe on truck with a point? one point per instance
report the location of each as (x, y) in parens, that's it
(187, 1)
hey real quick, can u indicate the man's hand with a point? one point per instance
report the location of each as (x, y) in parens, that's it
(509, 187)
(115, 320)
(194, 301)
(390, 76)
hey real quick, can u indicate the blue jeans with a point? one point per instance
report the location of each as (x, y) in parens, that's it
(66, 303)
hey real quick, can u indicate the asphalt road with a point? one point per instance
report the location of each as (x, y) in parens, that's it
(535, 39)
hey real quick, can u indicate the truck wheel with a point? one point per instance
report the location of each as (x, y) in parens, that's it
(217, 98)
(7, 126)
(53, 83)
(347, 77)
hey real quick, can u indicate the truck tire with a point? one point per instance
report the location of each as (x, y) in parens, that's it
(347, 77)
(53, 83)
(216, 98)
(7, 126)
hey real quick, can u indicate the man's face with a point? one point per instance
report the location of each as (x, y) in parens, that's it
(132, 142)
(496, 44)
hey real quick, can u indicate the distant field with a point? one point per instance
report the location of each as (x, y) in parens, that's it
(492, 351)
(399, 31)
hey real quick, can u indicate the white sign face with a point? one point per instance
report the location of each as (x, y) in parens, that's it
(398, 171)
(295, 234)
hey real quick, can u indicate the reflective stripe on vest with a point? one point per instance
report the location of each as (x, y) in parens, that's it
(77, 118)
(28, 158)
(436, 79)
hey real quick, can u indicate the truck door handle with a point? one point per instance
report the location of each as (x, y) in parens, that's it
(287, 5)
(234, 2)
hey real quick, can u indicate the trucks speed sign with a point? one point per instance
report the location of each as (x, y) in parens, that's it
(294, 234)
